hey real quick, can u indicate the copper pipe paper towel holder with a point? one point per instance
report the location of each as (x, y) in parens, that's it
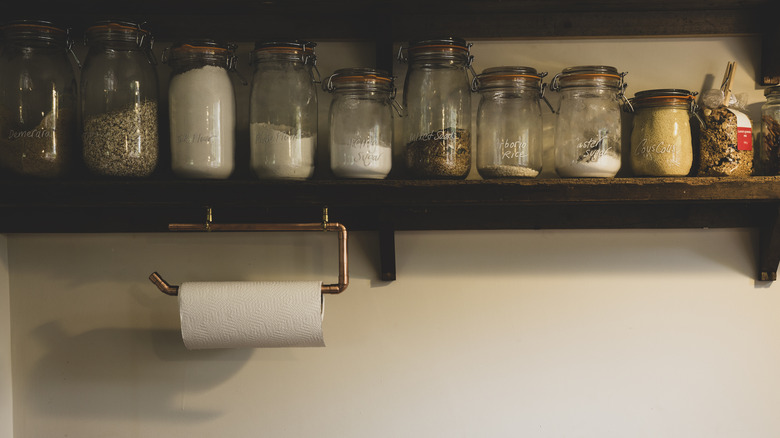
(325, 225)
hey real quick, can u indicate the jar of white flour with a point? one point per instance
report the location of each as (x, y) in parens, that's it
(202, 109)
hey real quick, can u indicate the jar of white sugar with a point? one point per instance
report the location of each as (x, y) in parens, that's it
(661, 136)
(587, 135)
(119, 100)
(361, 122)
(283, 110)
(509, 122)
(202, 109)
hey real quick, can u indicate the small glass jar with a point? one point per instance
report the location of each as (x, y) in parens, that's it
(283, 110)
(770, 132)
(587, 136)
(509, 122)
(119, 101)
(38, 100)
(437, 108)
(661, 136)
(361, 122)
(202, 108)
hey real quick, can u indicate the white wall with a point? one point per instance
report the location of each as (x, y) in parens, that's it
(6, 377)
(505, 333)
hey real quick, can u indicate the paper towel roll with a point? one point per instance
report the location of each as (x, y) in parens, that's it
(250, 314)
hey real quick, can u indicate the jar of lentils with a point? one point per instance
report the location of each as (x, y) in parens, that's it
(770, 132)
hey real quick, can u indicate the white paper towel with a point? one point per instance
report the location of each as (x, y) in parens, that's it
(250, 314)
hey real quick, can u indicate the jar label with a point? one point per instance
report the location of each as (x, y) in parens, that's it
(744, 131)
(195, 138)
(33, 133)
(513, 150)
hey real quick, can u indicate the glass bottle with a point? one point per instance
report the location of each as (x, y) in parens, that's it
(283, 110)
(437, 108)
(769, 156)
(119, 100)
(509, 122)
(587, 135)
(38, 100)
(661, 136)
(202, 109)
(361, 122)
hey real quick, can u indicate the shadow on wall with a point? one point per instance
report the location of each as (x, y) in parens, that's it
(103, 373)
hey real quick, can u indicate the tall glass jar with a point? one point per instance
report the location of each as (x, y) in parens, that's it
(202, 108)
(38, 100)
(361, 122)
(283, 110)
(437, 108)
(119, 101)
(661, 136)
(509, 122)
(769, 155)
(587, 136)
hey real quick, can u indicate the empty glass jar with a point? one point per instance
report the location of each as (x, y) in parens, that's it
(361, 122)
(119, 100)
(38, 100)
(437, 108)
(509, 122)
(587, 136)
(283, 110)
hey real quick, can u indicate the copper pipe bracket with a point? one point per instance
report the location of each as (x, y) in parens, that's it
(325, 225)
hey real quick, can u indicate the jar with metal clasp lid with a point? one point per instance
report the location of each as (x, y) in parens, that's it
(361, 122)
(119, 100)
(283, 109)
(769, 154)
(588, 131)
(437, 108)
(661, 142)
(509, 122)
(38, 100)
(202, 108)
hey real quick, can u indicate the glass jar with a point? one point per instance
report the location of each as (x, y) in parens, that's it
(661, 136)
(770, 132)
(437, 108)
(119, 100)
(361, 122)
(202, 108)
(283, 110)
(38, 100)
(587, 136)
(509, 122)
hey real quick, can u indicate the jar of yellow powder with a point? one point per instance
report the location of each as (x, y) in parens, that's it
(661, 137)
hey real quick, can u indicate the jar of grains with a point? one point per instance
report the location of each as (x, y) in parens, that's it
(587, 135)
(283, 110)
(770, 132)
(437, 108)
(361, 122)
(661, 137)
(37, 100)
(119, 100)
(509, 122)
(202, 109)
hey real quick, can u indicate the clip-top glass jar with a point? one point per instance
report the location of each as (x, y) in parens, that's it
(119, 100)
(587, 136)
(202, 108)
(661, 136)
(437, 108)
(509, 122)
(37, 100)
(283, 110)
(769, 156)
(361, 122)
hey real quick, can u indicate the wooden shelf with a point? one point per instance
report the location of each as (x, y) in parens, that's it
(392, 205)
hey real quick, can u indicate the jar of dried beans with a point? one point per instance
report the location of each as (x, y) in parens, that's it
(661, 136)
(509, 122)
(119, 100)
(361, 122)
(587, 135)
(37, 100)
(437, 108)
(770, 132)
